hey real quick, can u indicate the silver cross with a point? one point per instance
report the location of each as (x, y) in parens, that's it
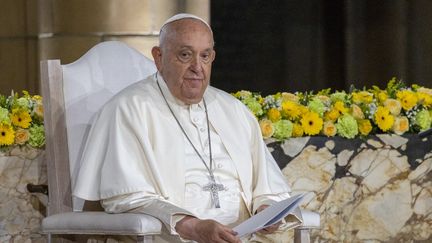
(214, 188)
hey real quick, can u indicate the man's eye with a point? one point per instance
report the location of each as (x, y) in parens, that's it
(206, 57)
(185, 55)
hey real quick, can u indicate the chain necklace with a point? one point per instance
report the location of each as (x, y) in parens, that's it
(212, 186)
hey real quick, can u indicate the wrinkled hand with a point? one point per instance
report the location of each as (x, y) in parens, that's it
(205, 231)
(269, 229)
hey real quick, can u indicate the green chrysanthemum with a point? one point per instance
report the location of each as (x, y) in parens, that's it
(317, 106)
(347, 126)
(423, 119)
(254, 106)
(4, 116)
(22, 103)
(338, 96)
(282, 129)
(37, 136)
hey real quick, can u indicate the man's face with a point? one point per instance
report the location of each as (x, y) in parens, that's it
(185, 58)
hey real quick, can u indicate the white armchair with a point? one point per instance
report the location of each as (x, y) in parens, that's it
(72, 94)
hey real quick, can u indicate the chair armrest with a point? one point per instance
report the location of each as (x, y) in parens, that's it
(97, 223)
(310, 219)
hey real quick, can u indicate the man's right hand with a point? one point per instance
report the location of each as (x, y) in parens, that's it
(205, 231)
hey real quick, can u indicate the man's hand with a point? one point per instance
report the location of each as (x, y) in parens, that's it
(269, 229)
(205, 231)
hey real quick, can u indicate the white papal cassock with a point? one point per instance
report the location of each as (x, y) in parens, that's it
(137, 158)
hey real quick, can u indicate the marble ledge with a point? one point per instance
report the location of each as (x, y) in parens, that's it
(377, 189)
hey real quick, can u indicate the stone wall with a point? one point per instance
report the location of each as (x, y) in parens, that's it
(34, 30)
(377, 189)
(20, 211)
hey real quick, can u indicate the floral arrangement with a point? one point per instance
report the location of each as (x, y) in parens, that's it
(21, 121)
(396, 109)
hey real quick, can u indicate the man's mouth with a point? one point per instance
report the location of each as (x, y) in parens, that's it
(194, 81)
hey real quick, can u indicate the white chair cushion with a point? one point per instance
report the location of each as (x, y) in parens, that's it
(98, 223)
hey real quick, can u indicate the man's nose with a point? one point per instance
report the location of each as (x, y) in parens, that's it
(196, 63)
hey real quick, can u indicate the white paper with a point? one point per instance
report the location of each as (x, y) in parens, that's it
(271, 215)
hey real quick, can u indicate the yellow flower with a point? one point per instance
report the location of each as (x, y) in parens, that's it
(7, 134)
(37, 97)
(329, 129)
(311, 123)
(357, 112)
(382, 96)
(425, 90)
(290, 110)
(362, 97)
(289, 97)
(364, 126)
(408, 99)
(21, 118)
(425, 99)
(242, 94)
(394, 106)
(383, 118)
(274, 114)
(21, 136)
(38, 109)
(340, 107)
(401, 125)
(303, 109)
(332, 115)
(267, 128)
(297, 130)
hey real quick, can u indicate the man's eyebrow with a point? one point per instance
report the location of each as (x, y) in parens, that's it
(190, 47)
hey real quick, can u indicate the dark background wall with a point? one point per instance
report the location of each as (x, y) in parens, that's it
(298, 45)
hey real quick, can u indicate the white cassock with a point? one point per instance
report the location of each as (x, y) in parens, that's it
(137, 158)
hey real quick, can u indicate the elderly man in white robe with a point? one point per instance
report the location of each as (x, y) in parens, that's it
(173, 147)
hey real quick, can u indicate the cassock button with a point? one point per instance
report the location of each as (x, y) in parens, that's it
(202, 129)
(219, 165)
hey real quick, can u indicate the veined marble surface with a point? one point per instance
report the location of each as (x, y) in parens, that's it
(373, 190)
(378, 189)
(21, 212)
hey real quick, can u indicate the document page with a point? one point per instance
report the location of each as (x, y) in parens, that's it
(271, 215)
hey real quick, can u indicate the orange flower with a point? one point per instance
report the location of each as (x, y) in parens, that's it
(401, 125)
(364, 126)
(267, 128)
(329, 129)
(21, 136)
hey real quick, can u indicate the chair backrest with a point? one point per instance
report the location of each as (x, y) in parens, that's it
(73, 93)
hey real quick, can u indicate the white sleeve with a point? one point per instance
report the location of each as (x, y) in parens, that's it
(139, 202)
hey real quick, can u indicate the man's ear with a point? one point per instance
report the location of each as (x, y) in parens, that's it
(157, 56)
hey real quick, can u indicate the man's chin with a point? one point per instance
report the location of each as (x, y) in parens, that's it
(192, 98)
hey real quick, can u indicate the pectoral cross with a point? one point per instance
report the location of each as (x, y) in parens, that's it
(214, 188)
